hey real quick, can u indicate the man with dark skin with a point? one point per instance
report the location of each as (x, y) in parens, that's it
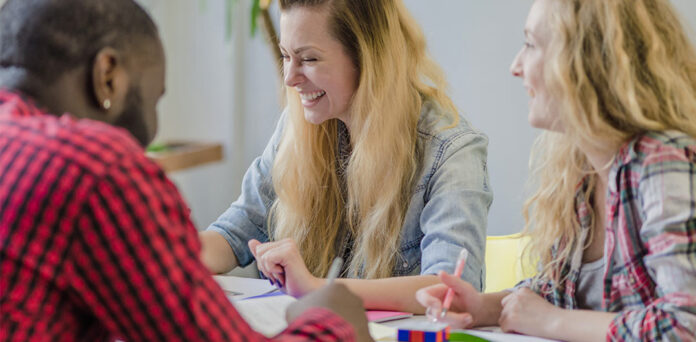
(95, 241)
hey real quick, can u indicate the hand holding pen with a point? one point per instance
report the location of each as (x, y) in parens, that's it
(453, 301)
(281, 262)
(458, 269)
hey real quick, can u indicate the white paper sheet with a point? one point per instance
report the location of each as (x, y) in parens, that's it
(495, 334)
(265, 315)
(381, 332)
(238, 288)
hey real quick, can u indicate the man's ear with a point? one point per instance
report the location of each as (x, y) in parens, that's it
(110, 82)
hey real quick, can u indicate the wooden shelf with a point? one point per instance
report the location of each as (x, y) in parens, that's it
(180, 155)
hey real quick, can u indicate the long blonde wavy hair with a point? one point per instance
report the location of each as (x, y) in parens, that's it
(396, 76)
(618, 68)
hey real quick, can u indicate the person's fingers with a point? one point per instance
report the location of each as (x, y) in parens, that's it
(275, 259)
(263, 248)
(431, 295)
(253, 243)
(433, 312)
(509, 298)
(280, 278)
(460, 320)
(455, 283)
(502, 320)
(505, 320)
(504, 324)
(262, 267)
(523, 292)
(284, 247)
(270, 267)
(288, 260)
(267, 276)
(259, 250)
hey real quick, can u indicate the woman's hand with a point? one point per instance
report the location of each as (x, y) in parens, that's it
(282, 264)
(526, 312)
(466, 303)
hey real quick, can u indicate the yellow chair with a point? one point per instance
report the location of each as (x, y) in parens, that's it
(504, 266)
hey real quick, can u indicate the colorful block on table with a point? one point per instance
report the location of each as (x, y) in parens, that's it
(425, 332)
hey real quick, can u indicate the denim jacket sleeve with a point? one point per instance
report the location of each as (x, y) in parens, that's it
(246, 218)
(456, 202)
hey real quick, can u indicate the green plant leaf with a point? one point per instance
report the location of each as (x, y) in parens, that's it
(229, 15)
(229, 6)
(255, 10)
(156, 147)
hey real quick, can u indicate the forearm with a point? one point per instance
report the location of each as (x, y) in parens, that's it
(396, 293)
(491, 309)
(577, 325)
(216, 253)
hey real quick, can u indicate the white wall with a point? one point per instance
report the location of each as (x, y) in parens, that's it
(204, 100)
(227, 91)
(220, 89)
(475, 42)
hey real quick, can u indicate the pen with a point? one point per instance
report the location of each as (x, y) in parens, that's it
(461, 261)
(334, 270)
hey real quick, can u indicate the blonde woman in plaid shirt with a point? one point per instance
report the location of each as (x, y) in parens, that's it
(613, 83)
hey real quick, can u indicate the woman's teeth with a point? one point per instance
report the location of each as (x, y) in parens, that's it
(312, 96)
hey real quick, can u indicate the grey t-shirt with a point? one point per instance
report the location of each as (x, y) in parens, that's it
(588, 294)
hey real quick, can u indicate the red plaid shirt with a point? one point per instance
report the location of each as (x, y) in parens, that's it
(96, 242)
(650, 245)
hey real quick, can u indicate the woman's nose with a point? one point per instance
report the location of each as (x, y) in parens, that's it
(516, 67)
(293, 76)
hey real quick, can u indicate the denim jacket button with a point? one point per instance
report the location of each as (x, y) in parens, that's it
(405, 264)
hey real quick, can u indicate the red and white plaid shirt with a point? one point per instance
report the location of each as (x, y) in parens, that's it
(650, 245)
(96, 242)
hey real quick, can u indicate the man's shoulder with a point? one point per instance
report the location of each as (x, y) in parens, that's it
(109, 146)
(91, 146)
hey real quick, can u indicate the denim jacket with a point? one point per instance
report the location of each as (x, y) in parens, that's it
(448, 207)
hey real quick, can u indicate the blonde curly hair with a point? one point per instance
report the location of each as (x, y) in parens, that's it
(618, 69)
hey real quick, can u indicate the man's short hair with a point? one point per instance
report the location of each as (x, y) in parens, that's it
(51, 37)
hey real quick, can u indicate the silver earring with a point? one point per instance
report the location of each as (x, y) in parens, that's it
(107, 104)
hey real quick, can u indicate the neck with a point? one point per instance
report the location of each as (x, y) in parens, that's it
(600, 159)
(345, 118)
(19, 79)
(57, 97)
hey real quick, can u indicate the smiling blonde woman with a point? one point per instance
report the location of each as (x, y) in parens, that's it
(370, 162)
